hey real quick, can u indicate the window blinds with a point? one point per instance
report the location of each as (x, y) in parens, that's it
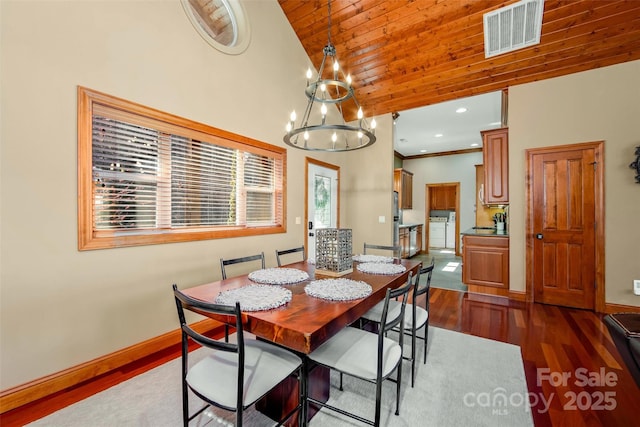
(150, 177)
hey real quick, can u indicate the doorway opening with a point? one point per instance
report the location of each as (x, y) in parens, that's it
(443, 197)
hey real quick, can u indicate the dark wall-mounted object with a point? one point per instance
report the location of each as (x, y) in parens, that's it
(636, 165)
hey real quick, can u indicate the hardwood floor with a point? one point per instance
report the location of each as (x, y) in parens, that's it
(555, 342)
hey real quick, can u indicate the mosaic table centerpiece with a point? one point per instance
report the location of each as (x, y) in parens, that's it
(333, 251)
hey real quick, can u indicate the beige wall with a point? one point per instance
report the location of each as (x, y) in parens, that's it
(368, 189)
(75, 306)
(598, 105)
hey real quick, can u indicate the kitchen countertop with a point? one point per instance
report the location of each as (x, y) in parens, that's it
(485, 231)
(410, 225)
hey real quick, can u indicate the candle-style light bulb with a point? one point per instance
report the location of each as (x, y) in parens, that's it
(309, 74)
(336, 67)
(360, 135)
(323, 87)
(349, 78)
(373, 123)
(293, 116)
(306, 135)
(288, 127)
(323, 109)
(334, 137)
(360, 113)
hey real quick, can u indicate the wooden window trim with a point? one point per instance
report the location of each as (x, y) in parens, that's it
(89, 239)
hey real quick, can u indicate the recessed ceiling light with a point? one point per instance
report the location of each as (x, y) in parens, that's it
(461, 110)
(438, 135)
(495, 123)
(423, 151)
(475, 144)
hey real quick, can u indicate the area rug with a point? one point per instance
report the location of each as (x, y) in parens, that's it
(467, 381)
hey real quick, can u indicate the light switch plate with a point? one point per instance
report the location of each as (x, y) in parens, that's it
(381, 219)
(636, 287)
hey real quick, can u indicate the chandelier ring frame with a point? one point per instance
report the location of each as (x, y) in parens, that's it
(289, 138)
(312, 90)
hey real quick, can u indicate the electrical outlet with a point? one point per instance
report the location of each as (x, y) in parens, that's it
(636, 287)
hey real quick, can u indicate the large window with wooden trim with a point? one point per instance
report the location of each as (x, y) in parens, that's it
(147, 177)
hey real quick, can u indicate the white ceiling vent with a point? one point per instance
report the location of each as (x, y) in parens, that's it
(512, 27)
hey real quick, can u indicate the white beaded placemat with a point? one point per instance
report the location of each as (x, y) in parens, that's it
(373, 258)
(255, 297)
(278, 276)
(379, 268)
(338, 289)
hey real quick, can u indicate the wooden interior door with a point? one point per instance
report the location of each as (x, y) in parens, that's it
(562, 225)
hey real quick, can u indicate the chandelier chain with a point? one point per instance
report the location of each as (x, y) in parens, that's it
(332, 133)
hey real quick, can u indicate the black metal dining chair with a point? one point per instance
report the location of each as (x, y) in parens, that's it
(366, 355)
(395, 250)
(232, 261)
(233, 376)
(225, 262)
(419, 316)
(285, 252)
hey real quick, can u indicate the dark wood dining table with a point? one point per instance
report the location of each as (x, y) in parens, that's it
(304, 323)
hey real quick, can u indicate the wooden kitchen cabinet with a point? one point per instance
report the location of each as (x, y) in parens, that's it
(404, 242)
(495, 155)
(403, 184)
(485, 264)
(442, 197)
(407, 248)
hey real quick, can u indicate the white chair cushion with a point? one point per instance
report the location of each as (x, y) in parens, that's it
(353, 351)
(266, 365)
(375, 313)
(421, 317)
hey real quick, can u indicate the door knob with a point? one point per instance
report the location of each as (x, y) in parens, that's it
(539, 236)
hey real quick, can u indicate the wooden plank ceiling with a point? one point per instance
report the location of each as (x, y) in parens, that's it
(408, 54)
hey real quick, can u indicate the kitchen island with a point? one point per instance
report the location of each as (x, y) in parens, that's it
(485, 260)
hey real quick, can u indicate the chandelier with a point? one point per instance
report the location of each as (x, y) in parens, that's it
(322, 92)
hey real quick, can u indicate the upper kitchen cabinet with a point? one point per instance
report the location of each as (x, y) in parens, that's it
(403, 184)
(442, 197)
(495, 154)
